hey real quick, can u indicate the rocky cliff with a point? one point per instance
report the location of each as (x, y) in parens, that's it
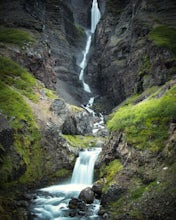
(134, 50)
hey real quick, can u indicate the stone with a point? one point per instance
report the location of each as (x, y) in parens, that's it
(87, 195)
(97, 189)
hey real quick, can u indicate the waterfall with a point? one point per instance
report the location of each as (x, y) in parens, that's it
(95, 17)
(51, 203)
(84, 167)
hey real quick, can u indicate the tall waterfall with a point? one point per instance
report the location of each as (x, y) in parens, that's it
(95, 17)
(84, 167)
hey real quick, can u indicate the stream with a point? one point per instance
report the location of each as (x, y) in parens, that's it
(51, 203)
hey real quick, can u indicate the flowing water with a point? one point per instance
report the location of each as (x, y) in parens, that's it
(51, 203)
(95, 17)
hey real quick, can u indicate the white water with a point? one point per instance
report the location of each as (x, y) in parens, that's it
(95, 17)
(52, 202)
(85, 166)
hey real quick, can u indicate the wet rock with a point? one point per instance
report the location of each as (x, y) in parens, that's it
(87, 195)
(97, 189)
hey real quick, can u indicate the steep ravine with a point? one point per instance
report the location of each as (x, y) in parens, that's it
(131, 69)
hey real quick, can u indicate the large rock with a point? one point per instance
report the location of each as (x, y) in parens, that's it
(78, 124)
(87, 195)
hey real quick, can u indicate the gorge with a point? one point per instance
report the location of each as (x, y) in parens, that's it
(57, 76)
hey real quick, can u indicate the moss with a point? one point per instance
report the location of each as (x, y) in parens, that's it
(50, 94)
(164, 36)
(62, 173)
(145, 67)
(14, 75)
(26, 136)
(109, 172)
(15, 36)
(80, 31)
(75, 109)
(146, 123)
(82, 141)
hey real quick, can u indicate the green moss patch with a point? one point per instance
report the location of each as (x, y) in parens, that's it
(164, 36)
(15, 36)
(109, 172)
(14, 75)
(26, 136)
(82, 141)
(146, 123)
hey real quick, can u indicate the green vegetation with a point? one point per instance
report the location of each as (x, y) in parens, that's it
(109, 172)
(164, 36)
(80, 30)
(146, 123)
(14, 75)
(146, 66)
(82, 141)
(15, 36)
(62, 173)
(26, 134)
(50, 94)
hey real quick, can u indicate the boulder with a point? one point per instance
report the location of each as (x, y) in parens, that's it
(59, 108)
(87, 195)
(97, 189)
(79, 123)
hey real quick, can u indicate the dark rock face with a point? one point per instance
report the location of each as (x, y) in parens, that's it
(57, 41)
(78, 123)
(113, 194)
(124, 60)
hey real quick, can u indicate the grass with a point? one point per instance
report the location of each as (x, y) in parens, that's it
(26, 134)
(14, 75)
(164, 36)
(15, 36)
(109, 172)
(82, 141)
(146, 123)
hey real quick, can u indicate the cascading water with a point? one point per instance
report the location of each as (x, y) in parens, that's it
(52, 202)
(95, 17)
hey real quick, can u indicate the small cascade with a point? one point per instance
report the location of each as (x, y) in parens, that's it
(51, 203)
(84, 167)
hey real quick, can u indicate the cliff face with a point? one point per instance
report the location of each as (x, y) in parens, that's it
(57, 39)
(134, 49)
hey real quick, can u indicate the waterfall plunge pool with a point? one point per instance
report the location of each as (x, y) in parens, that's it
(51, 203)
